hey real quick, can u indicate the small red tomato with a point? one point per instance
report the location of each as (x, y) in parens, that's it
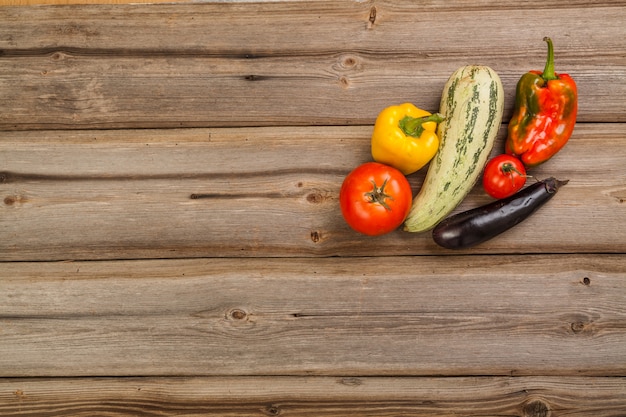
(375, 198)
(504, 175)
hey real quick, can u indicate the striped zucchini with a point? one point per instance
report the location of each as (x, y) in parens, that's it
(472, 104)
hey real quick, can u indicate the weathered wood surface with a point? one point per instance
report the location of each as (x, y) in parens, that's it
(314, 396)
(287, 63)
(184, 162)
(260, 192)
(425, 315)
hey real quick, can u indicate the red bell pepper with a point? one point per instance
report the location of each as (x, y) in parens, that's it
(546, 105)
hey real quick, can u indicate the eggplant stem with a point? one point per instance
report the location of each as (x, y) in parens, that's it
(552, 184)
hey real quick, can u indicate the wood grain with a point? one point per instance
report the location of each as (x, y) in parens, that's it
(425, 315)
(184, 162)
(260, 192)
(70, 90)
(84, 2)
(203, 65)
(314, 396)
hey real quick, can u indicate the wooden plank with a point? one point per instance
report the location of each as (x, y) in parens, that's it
(202, 65)
(69, 90)
(397, 316)
(314, 396)
(260, 192)
(284, 310)
(58, 2)
(242, 26)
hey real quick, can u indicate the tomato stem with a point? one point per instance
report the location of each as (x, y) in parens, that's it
(508, 167)
(377, 195)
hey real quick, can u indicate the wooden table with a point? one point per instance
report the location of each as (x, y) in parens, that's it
(171, 240)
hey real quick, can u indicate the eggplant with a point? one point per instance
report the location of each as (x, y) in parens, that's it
(475, 226)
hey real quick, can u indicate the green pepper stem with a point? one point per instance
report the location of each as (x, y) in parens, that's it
(548, 71)
(412, 126)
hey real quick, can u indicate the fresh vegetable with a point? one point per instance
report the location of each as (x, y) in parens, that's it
(375, 198)
(545, 111)
(477, 225)
(472, 105)
(405, 138)
(504, 175)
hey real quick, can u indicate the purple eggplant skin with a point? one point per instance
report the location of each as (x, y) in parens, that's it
(475, 226)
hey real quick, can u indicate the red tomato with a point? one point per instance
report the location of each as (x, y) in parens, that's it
(504, 175)
(375, 198)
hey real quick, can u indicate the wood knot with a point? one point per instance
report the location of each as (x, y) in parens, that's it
(315, 198)
(316, 236)
(349, 62)
(13, 199)
(237, 314)
(578, 327)
(372, 16)
(272, 410)
(536, 408)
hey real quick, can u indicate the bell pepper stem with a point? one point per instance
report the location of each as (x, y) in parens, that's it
(548, 71)
(412, 126)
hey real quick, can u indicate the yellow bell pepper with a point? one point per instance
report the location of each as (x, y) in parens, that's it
(405, 137)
